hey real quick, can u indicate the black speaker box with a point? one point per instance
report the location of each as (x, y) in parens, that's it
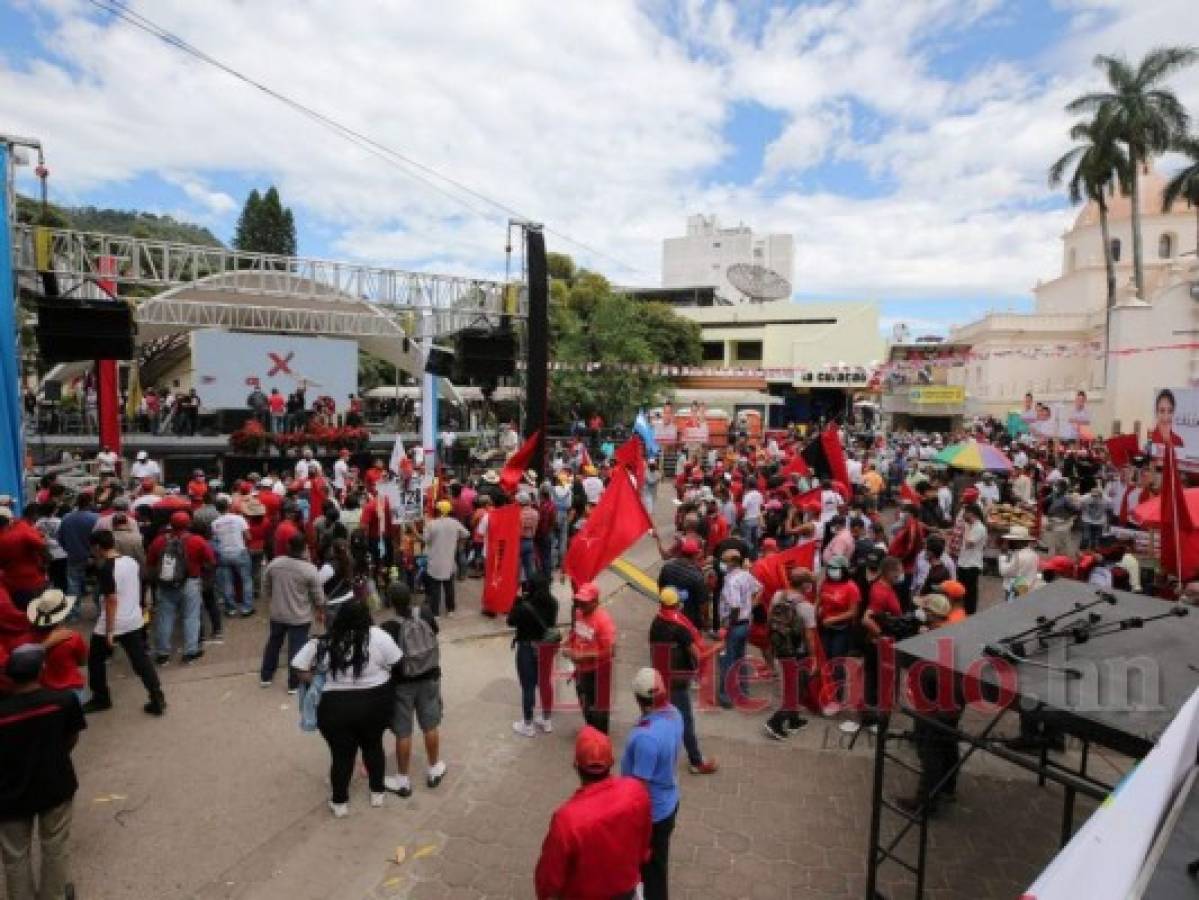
(70, 330)
(440, 362)
(486, 353)
(51, 391)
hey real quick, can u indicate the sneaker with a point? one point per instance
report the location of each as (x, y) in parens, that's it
(155, 706)
(291, 692)
(339, 810)
(246, 613)
(849, 726)
(162, 659)
(435, 774)
(777, 734)
(265, 684)
(217, 638)
(793, 728)
(543, 723)
(189, 658)
(96, 705)
(707, 767)
(398, 784)
(376, 800)
(524, 729)
(231, 614)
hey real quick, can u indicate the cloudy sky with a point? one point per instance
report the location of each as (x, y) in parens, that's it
(903, 142)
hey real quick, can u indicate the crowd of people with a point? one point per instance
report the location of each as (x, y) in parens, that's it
(813, 571)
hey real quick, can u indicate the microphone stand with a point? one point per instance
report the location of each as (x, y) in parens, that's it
(1000, 651)
(1045, 624)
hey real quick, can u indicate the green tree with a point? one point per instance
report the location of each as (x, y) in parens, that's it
(1091, 170)
(561, 267)
(1145, 115)
(265, 225)
(1185, 184)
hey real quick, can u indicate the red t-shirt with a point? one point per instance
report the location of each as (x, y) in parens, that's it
(372, 477)
(22, 565)
(196, 550)
(883, 599)
(594, 633)
(277, 404)
(61, 671)
(596, 842)
(837, 598)
(260, 527)
(271, 501)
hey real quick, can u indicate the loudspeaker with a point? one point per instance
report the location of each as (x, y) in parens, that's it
(52, 391)
(440, 361)
(485, 353)
(69, 330)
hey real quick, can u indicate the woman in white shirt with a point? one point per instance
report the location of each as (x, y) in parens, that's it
(1020, 566)
(970, 558)
(356, 704)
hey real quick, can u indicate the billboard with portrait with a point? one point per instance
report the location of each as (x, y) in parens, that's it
(1176, 420)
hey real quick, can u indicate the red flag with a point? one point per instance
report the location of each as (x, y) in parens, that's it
(514, 469)
(809, 500)
(835, 454)
(1180, 537)
(796, 466)
(908, 494)
(616, 523)
(501, 572)
(772, 570)
(1122, 448)
(631, 455)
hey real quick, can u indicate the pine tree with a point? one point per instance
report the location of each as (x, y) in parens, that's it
(266, 225)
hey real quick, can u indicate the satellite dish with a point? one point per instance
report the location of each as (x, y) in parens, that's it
(758, 283)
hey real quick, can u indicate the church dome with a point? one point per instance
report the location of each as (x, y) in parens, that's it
(1119, 206)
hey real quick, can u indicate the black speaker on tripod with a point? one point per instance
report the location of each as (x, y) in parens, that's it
(440, 361)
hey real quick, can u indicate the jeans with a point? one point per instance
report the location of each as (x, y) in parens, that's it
(938, 753)
(1091, 535)
(16, 846)
(134, 645)
(236, 563)
(563, 530)
(734, 653)
(836, 643)
(277, 423)
(528, 559)
(76, 577)
(655, 873)
(751, 531)
(437, 589)
(350, 721)
(534, 670)
(680, 696)
(184, 603)
(297, 637)
(545, 553)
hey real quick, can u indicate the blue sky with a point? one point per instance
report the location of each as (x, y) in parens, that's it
(903, 142)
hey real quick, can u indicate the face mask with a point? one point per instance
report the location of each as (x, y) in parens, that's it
(724, 567)
(836, 574)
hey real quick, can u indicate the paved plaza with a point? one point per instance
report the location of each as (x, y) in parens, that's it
(225, 797)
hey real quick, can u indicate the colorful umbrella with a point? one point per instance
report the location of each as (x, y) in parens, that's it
(974, 457)
(1149, 513)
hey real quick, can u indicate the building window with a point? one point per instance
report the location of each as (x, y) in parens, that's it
(714, 351)
(715, 245)
(1115, 249)
(748, 351)
(1165, 246)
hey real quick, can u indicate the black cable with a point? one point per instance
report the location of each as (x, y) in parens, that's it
(388, 154)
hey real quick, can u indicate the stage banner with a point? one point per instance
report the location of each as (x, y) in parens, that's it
(1176, 419)
(12, 447)
(1105, 858)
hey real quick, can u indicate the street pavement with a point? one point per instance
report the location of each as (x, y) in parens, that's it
(224, 797)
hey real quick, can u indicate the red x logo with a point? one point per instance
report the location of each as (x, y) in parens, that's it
(280, 364)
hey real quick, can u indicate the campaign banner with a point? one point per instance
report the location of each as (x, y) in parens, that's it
(937, 394)
(1176, 419)
(406, 505)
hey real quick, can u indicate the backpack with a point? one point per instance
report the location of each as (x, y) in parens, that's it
(786, 629)
(172, 567)
(419, 645)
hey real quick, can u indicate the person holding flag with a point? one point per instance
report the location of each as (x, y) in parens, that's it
(590, 645)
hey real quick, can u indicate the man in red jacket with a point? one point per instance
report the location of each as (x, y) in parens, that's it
(599, 838)
(22, 555)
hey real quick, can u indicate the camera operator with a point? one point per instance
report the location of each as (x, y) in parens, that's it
(937, 750)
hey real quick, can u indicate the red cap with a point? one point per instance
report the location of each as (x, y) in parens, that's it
(969, 495)
(689, 546)
(180, 519)
(954, 590)
(586, 592)
(770, 544)
(593, 751)
(1062, 565)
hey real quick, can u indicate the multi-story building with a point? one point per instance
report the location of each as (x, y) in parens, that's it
(703, 256)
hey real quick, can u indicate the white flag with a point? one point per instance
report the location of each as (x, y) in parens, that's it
(397, 455)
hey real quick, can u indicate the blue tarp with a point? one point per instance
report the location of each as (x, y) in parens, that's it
(12, 452)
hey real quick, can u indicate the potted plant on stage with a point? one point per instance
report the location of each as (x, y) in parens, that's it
(250, 439)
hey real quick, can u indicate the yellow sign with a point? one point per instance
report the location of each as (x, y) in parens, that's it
(938, 394)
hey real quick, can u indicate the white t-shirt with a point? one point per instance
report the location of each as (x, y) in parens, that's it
(301, 469)
(229, 532)
(854, 468)
(593, 488)
(974, 541)
(341, 471)
(146, 469)
(751, 505)
(381, 652)
(127, 575)
(830, 502)
(106, 461)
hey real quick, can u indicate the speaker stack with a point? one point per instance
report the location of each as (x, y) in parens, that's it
(69, 330)
(484, 355)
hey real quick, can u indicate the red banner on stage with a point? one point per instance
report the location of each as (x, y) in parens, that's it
(616, 523)
(501, 575)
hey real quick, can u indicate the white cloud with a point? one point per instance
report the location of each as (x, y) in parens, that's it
(591, 119)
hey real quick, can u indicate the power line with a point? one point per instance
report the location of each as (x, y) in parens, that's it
(388, 154)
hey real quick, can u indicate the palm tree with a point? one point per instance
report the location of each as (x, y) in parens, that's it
(1091, 170)
(1185, 185)
(1146, 116)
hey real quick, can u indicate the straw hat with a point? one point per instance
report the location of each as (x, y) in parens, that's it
(51, 608)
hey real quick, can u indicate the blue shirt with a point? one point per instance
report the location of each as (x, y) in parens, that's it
(652, 755)
(75, 534)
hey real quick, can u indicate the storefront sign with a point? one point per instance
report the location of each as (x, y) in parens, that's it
(937, 393)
